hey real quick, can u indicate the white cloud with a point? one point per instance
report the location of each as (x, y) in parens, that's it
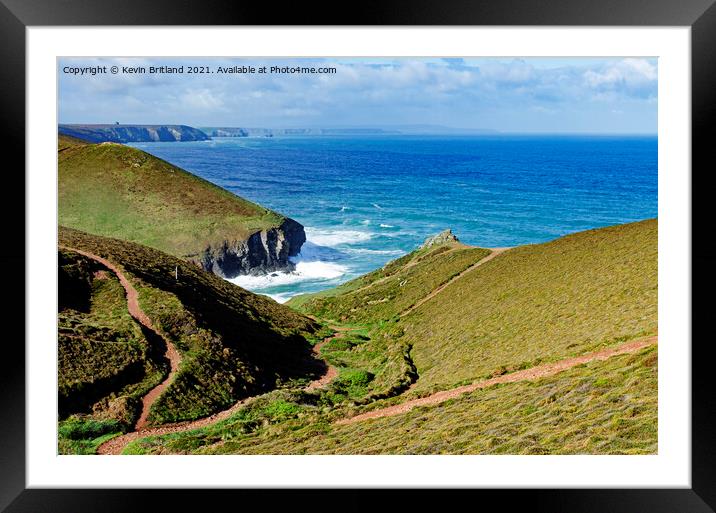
(364, 91)
(632, 75)
(295, 112)
(204, 99)
(516, 71)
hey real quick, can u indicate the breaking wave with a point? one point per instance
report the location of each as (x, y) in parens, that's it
(333, 238)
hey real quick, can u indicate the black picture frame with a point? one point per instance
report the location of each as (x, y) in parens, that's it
(17, 15)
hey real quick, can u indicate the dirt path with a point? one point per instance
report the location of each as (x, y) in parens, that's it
(331, 372)
(540, 371)
(117, 444)
(495, 252)
(136, 311)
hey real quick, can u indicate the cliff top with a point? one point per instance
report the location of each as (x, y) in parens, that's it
(118, 191)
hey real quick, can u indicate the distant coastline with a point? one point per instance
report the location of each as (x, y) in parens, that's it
(126, 133)
(229, 131)
(132, 133)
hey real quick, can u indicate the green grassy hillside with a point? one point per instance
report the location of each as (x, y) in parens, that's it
(539, 303)
(607, 407)
(373, 303)
(233, 343)
(117, 191)
(528, 305)
(385, 293)
(103, 353)
(67, 141)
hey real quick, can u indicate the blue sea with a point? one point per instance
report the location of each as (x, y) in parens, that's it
(366, 200)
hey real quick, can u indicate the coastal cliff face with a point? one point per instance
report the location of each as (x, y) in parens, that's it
(263, 252)
(133, 133)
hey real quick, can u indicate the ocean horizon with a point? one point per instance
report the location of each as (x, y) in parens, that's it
(366, 200)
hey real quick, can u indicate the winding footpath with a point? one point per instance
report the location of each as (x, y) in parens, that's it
(331, 372)
(539, 371)
(116, 445)
(138, 314)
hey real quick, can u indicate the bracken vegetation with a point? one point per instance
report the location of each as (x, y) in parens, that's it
(106, 362)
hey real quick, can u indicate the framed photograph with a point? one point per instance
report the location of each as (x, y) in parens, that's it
(422, 248)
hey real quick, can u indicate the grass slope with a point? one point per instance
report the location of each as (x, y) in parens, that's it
(539, 303)
(103, 354)
(106, 362)
(373, 361)
(385, 293)
(233, 343)
(529, 305)
(604, 407)
(117, 191)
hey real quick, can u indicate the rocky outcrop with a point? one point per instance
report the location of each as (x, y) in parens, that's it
(263, 252)
(133, 133)
(443, 237)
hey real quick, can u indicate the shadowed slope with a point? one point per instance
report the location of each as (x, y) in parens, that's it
(233, 343)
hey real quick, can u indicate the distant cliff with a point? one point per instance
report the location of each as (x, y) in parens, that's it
(271, 132)
(133, 133)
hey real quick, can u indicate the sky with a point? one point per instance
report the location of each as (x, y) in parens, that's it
(512, 95)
